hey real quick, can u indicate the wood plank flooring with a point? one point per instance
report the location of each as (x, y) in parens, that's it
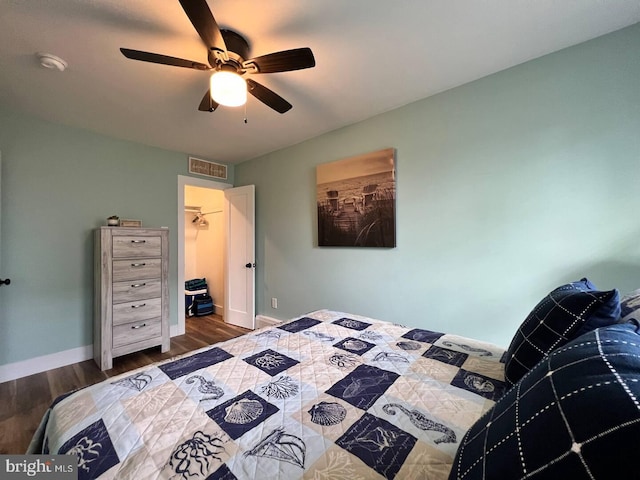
(24, 401)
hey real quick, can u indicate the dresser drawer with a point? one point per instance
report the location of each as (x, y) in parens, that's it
(136, 332)
(137, 269)
(136, 311)
(136, 246)
(136, 290)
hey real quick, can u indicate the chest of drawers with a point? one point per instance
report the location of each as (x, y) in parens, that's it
(131, 310)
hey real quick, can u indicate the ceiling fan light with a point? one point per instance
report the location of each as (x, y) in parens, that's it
(228, 88)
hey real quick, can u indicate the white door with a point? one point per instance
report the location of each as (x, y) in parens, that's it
(240, 256)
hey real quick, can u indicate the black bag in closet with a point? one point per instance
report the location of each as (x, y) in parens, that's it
(202, 305)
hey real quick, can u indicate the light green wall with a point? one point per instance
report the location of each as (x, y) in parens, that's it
(58, 183)
(506, 187)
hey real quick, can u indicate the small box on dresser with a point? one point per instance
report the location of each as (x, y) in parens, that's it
(131, 309)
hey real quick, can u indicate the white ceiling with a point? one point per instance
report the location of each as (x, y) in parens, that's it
(371, 56)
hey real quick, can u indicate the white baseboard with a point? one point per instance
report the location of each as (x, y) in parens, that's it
(265, 321)
(24, 368)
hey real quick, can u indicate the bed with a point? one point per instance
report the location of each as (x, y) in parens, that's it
(325, 395)
(332, 395)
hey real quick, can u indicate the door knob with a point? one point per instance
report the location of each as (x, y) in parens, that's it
(5, 282)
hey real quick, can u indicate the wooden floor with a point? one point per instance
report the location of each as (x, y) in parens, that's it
(25, 400)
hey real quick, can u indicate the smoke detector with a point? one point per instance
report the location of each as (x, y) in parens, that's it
(48, 60)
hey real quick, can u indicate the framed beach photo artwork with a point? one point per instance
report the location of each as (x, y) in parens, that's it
(356, 200)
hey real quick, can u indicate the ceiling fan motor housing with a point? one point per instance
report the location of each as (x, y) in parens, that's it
(237, 48)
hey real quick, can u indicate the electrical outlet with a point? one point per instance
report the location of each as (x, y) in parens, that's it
(274, 302)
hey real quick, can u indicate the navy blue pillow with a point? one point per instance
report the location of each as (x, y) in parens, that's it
(607, 314)
(566, 313)
(575, 415)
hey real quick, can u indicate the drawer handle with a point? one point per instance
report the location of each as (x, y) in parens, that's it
(138, 241)
(138, 306)
(138, 265)
(138, 285)
(135, 327)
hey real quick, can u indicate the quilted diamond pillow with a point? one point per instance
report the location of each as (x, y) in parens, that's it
(575, 415)
(566, 313)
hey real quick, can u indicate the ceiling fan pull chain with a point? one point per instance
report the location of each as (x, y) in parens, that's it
(245, 113)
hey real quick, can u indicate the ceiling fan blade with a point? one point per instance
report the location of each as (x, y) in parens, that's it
(284, 61)
(207, 104)
(202, 20)
(162, 59)
(268, 97)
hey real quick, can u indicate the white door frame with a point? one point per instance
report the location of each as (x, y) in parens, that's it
(183, 181)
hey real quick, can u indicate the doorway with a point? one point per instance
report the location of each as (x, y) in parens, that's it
(236, 292)
(204, 240)
(205, 191)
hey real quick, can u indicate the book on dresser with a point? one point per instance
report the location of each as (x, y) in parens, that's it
(131, 311)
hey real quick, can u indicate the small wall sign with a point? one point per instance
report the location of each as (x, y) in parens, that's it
(207, 168)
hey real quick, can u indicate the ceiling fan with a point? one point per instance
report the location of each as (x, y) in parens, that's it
(228, 56)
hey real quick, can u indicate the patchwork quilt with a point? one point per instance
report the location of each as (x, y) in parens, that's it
(327, 395)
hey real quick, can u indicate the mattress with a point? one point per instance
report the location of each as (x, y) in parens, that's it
(325, 395)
